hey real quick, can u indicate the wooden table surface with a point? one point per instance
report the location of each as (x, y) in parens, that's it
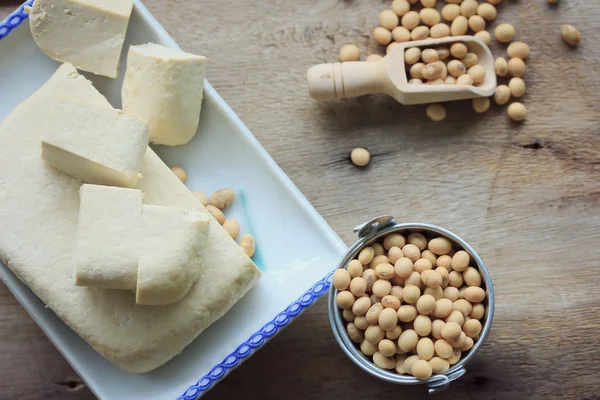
(526, 196)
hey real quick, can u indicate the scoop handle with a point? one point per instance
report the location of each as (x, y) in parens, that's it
(347, 79)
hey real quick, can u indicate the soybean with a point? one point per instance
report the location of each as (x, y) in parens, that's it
(381, 287)
(472, 328)
(443, 307)
(418, 239)
(390, 302)
(451, 331)
(443, 348)
(407, 340)
(361, 306)
(410, 20)
(436, 112)
(440, 246)
(436, 328)
(388, 319)
(474, 294)
(456, 316)
(422, 264)
(374, 334)
(425, 304)
(384, 271)
(388, 19)
(400, 34)
(517, 111)
(421, 369)
(460, 26)
(407, 313)
(422, 325)
(409, 362)
(429, 16)
(518, 49)
(478, 311)
(437, 293)
(439, 365)
(201, 197)
(460, 260)
(361, 322)
(382, 35)
(455, 357)
(341, 279)
(517, 87)
(411, 294)
(354, 268)
(502, 94)
(370, 277)
(348, 315)
(570, 34)
(425, 348)
(387, 348)
(366, 255)
(344, 300)
(349, 52)
(368, 348)
(394, 254)
(216, 213)
(516, 67)
(393, 333)
(451, 293)
(392, 240)
(372, 315)
(248, 244)
(232, 227)
(358, 286)
(222, 198)
(504, 33)
(470, 60)
(179, 173)
(472, 277)
(383, 362)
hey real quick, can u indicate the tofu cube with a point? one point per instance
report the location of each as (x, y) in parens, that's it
(164, 88)
(107, 246)
(88, 34)
(97, 145)
(172, 245)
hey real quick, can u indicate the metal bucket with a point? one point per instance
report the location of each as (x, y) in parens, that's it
(369, 233)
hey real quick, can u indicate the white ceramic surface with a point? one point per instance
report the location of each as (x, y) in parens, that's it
(296, 249)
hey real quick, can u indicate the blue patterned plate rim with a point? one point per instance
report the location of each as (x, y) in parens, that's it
(257, 339)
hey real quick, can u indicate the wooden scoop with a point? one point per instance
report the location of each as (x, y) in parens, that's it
(389, 76)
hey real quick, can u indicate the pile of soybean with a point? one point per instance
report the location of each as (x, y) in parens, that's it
(409, 20)
(411, 303)
(215, 205)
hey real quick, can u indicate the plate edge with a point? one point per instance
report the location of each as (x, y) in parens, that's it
(14, 19)
(257, 339)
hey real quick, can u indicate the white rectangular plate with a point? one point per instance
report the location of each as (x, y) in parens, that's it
(296, 249)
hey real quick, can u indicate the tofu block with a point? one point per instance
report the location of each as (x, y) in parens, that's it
(107, 248)
(87, 34)
(171, 248)
(97, 145)
(42, 207)
(164, 88)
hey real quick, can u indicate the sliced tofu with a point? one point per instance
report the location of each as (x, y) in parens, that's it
(107, 246)
(172, 245)
(95, 144)
(164, 88)
(87, 34)
(41, 210)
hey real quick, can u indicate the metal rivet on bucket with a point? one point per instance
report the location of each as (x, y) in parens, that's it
(370, 232)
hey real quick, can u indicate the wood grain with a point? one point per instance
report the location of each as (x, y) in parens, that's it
(526, 196)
